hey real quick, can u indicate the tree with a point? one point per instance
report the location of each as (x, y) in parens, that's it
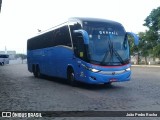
(153, 20)
(133, 49)
(22, 56)
(156, 51)
(144, 45)
(153, 34)
(149, 41)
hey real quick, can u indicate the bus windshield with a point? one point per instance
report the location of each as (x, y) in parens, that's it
(108, 44)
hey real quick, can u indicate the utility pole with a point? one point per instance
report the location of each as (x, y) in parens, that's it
(0, 4)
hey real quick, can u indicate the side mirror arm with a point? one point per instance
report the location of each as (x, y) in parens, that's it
(136, 38)
(84, 34)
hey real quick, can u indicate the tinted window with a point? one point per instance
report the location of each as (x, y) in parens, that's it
(62, 36)
(4, 56)
(59, 36)
(74, 26)
(65, 36)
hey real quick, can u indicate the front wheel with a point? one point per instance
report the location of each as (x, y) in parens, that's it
(108, 84)
(71, 77)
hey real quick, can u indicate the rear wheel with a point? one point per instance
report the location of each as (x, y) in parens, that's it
(36, 72)
(2, 63)
(71, 77)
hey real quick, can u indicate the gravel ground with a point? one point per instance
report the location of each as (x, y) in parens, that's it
(20, 91)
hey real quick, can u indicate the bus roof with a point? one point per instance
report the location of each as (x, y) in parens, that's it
(81, 19)
(94, 20)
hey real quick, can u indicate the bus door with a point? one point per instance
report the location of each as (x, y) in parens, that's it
(80, 53)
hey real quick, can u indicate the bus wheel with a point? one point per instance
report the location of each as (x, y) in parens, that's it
(108, 84)
(2, 63)
(71, 77)
(36, 72)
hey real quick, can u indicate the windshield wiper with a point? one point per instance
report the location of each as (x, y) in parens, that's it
(107, 52)
(104, 58)
(112, 50)
(118, 56)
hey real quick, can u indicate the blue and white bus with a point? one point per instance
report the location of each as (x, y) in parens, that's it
(4, 59)
(90, 50)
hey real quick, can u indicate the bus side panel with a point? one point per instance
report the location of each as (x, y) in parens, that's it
(63, 57)
(35, 57)
(52, 61)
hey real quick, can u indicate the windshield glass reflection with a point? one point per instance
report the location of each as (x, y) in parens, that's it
(108, 44)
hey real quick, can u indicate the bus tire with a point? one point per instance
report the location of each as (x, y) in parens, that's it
(2, 63)
(36, 72)
(71, 77)
(108, 84)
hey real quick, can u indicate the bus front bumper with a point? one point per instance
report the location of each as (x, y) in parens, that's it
(101, 78)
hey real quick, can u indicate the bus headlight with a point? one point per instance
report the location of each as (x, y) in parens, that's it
(128, 69)
(94, 70)
(90, 69)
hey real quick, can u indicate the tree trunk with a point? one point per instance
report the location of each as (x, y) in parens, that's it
(137, 59)
(146, 63)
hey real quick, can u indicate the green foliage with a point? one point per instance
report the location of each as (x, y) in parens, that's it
(149, 41)
(153, 20)
(133, 47)
(156, 51)
(152, 36)
(144, 45)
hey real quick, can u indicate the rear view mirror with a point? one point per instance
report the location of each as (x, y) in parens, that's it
(84, 34)
(136, 38)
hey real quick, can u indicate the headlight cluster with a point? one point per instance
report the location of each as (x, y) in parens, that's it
(128, 69)
(90, 69)
(95, 70)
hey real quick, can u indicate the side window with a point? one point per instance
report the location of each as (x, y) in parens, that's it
(74, 26)
(62, 37)
(79, 47)
(44, 41)
(65, 36)
(36, 43)
(59, 36)
(56, 37)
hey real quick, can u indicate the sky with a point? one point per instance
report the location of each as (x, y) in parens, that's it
(21, 19)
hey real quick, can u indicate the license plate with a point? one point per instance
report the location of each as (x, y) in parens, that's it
(113, 80)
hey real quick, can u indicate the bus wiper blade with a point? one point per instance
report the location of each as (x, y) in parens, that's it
(115, 52)
(104, 58)
(107, 52)
(118, 56)
(112, 51)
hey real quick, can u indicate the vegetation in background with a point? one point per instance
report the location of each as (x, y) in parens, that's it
(149, 44)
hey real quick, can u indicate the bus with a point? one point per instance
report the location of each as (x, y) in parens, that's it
(89, 50)
(4, 59)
